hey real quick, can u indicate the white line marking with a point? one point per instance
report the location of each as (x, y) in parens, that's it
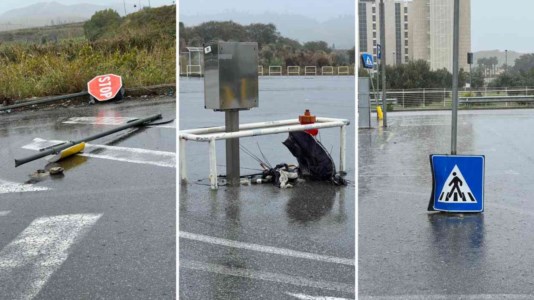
(265, 249)
(27, 262)
(13, 187)
(109, 121)
(125, 154)
(309, 297)
(4, 213)
(267, 276)
(447, 297)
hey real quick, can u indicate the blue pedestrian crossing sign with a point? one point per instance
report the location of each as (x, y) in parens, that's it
(367, 60)
(458, 183)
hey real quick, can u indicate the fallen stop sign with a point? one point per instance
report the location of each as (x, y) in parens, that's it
(104, 87)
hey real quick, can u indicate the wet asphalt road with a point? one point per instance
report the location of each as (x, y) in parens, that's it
(247, 242)
(406, 252)
(106, 229)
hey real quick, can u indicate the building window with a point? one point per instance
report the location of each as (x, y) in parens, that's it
(374, 26)
(374, 10)
(406, 58)
(405, 50)
(374, 43)
(405, 10)
(374, 34)
(406, 43)
(374, 18)
(405, 26)
(405, 34)
(374, 50)
(405, 18)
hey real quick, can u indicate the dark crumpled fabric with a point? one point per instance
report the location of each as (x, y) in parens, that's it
(313, 159)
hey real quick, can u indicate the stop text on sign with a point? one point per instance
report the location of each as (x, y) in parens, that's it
(104, 87)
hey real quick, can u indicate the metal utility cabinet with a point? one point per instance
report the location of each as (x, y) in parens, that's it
(230, 75)
(231, 85)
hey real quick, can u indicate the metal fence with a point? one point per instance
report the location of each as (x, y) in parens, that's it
(412, 99)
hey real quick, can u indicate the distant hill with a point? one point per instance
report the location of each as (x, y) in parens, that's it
(50, 13)
(338, 31)
(501, 56)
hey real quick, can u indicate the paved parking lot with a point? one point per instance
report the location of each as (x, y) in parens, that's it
(106, 228)
(406, 252)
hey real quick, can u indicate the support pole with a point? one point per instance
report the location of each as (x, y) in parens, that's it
(232, 148)
(213, 165)
(455, 50)
(383, 61)
(342, 148)
(183, 166)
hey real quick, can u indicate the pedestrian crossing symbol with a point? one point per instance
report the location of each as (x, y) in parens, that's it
(458, 183)
(367, 60)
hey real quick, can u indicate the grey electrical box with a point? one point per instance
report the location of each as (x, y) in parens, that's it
(230, 75)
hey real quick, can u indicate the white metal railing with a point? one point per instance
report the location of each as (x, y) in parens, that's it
(327, 70)
(293, 70)
(310, 70)
(260, 70)
(190, 70)
(275, 70)
(440, 98)
(344, 70)
(213, 134)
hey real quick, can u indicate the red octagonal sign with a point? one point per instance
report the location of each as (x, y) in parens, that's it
(104, 87)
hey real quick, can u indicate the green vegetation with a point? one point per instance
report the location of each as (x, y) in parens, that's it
(140, 47)
(275, 50)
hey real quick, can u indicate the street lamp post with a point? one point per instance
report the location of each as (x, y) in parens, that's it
(455, 51)
(383, 62)
(506, 62)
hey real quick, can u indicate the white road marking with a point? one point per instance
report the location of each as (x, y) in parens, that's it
(109, 121)
(125, 154)
(309, 297)
(452, 296)
(13, 187)
(267, 276)
(4, 213)
(27, 262)
(265, 249)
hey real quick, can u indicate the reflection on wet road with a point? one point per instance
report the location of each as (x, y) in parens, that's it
(408, 253)
(259, 241)
(105, 228)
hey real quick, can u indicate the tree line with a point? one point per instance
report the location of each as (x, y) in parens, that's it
(274, 49)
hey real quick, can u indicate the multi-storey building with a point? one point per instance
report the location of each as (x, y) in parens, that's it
(417, 29)
(396, 24)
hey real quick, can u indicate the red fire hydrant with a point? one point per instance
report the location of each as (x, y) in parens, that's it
(308, 118)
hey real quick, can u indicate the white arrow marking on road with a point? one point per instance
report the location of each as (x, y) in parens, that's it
(4, 213)
(308, 297)
(125, 154)
(267, 276)
(27, 262)
(265, 249)
(13, 187)
(109, 121)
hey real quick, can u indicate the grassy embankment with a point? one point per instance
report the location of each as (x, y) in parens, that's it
(141, 49)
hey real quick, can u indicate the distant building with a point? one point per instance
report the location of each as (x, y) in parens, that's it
(417, 29)
(397, 36)
(431, 29)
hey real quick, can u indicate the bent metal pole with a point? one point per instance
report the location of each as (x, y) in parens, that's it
(455, 50)
(60, 147)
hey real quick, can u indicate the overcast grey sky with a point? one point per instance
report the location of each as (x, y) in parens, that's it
(503, 25)
(6, 5)
(320, 10)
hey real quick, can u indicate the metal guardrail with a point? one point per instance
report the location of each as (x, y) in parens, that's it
(213, 134)
(496, 99)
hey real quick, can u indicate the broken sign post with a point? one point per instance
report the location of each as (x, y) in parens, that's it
(458, 180)
(458, 183)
